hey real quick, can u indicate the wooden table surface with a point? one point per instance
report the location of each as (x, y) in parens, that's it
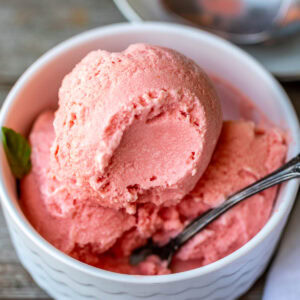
(28, 28)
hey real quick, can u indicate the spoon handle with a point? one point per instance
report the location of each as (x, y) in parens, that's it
(288, 171)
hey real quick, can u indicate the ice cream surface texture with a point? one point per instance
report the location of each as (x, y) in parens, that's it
(105, 237)
(147, 110)
(130, 154)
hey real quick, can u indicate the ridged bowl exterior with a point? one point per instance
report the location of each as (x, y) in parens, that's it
(64, 282)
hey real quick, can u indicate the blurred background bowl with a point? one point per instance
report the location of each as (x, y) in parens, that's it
(268, 30)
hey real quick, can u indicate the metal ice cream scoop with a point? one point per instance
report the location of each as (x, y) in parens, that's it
(288, 171)
(241, 21)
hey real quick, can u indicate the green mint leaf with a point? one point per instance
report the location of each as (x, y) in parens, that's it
(17, 150)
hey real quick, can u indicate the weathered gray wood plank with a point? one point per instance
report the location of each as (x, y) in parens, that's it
(15, 282)
(4, 89)
(7, 256)
(29, 28)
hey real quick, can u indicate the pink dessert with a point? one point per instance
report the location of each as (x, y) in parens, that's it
(147, 108)
(127, 160)
(64, 220)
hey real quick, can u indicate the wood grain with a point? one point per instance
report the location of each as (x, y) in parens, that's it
(28, 29)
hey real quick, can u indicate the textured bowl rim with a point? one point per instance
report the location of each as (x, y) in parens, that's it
(28, 230)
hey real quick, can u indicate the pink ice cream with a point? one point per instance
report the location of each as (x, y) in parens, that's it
(243, 155)
(105, 237)
(135, 127)
(127, 160)
(64, 220)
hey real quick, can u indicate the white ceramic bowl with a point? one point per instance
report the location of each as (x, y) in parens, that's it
(65, 278)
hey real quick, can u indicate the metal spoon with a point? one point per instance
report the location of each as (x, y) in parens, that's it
(288, 171)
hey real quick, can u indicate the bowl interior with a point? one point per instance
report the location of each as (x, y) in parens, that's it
(38, 87)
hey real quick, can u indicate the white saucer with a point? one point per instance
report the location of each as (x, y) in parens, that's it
(282, 60)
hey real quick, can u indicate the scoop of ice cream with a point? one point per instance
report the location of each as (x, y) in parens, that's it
(66, 221)
(134, 127)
